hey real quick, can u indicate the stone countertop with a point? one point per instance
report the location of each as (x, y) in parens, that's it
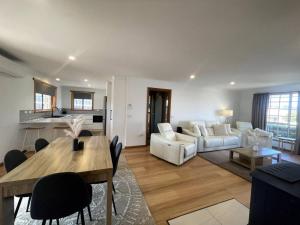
(48, 120)
(64, 119)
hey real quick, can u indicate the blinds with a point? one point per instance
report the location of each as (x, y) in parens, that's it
(44, 88)
(82, 95)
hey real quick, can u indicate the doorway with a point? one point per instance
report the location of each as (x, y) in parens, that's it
(158, 109)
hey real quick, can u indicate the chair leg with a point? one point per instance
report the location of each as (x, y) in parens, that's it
(82, 217)
(113, 187)
(44, 222)
(50, 222)
(77, 221)
(28, 204)
(89, 211)
(24, 140)
(18, 206)
(114, 204)
(57, 221)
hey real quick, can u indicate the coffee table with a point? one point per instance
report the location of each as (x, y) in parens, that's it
(249, 158)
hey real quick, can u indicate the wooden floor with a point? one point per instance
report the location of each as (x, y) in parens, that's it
(171, 190)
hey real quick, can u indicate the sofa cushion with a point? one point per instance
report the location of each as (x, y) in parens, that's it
(166, 130)
(214, 141)
(220, 130)
(228, 129)
(230, 140)
(243, 126)
(210, 131)
(196, 130)
(203, 131)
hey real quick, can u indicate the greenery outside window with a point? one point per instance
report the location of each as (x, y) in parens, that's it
(282, 114)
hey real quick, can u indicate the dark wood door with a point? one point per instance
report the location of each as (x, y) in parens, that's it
(158, 109)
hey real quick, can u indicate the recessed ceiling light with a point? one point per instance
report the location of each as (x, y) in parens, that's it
(232, 83)
(72, 58)
(192, 76)
(57, 79)
(86, 80)
(89, 85)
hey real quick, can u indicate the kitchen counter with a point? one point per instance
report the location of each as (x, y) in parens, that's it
(64, 119)
(88, 121)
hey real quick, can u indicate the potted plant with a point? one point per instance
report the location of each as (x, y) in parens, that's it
(75, 126)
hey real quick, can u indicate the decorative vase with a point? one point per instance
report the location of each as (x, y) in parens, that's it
(75, 144)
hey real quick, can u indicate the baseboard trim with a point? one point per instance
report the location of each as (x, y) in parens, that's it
(135, 146)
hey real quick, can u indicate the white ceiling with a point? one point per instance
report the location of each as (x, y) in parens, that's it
(253, 42)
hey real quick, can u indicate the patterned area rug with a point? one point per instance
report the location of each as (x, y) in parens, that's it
(131, 206)
(230, 212)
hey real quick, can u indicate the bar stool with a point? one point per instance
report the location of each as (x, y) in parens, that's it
(31, 129)
(56, 129)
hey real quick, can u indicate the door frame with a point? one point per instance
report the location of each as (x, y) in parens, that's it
(169, 92)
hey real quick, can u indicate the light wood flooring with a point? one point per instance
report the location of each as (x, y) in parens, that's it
(171, 190)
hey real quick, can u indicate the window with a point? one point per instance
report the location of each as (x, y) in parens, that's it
(282, 114)
(44, 96)
(82, 100)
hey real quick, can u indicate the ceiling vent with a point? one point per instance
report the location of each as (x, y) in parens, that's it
(12, 66)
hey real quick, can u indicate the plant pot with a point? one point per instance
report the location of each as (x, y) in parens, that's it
(75, 144)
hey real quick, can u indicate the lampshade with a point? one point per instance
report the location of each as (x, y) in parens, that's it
(226, 112)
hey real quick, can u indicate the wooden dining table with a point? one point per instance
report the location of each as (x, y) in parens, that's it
(93, 164)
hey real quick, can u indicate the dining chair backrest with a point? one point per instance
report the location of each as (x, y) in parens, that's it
(40, 144)
(13, 158)
(118, 150)
(85, 133)
(58, 195)
(113, 146)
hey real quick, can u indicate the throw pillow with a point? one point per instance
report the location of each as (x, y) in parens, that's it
(196, 130)
(203, 131)
(220, 130)
(228, 129)
(210, 131)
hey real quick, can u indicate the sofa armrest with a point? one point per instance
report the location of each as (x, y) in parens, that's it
(190, 133)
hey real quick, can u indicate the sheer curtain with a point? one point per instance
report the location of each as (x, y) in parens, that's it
(298, 127)
(259, 110)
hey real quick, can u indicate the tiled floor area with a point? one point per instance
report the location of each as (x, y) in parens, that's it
(226, 213)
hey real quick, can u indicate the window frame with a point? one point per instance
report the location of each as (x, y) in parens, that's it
(53, 98)
(82, 109)
(290, 109)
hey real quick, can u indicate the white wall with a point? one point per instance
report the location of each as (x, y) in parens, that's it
(15, 94)
(189, 102)
(66, 96)
(246, 96)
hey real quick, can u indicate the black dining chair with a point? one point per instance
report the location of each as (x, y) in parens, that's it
(12, 159)
(85, 133)
(115, 161)
(40, 144)
(112, 146)
(59, 195)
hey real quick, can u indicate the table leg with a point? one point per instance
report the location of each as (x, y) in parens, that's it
(231, 155)
(109, 200)
(7, 211)
(252, 163)
(278, 158)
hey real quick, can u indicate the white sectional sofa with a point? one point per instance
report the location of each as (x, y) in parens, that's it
(211, 136)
